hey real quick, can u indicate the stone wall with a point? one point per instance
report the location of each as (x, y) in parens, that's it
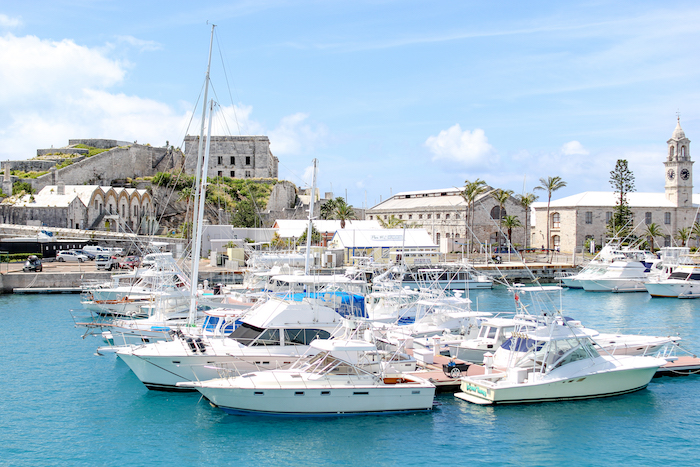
(234, 157)
(52, 151)
(99, 143)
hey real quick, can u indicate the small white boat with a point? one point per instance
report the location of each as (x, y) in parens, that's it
(684, 282)
(557, 362)
(618, 276)
(333, 382)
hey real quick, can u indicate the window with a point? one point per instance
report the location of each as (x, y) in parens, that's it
(667, 240)
(220, 173)
(429, 216)
(384, 216)
(447, 216)
(220, 160)
(647, 218)
(589, 217)
(233, 160)
(247, 160)
(400, 216)
(667, 219)
(498, 213)
(123, 210)
(233, 174)
(556, 240)
(95, 205)
(371, 217)
(247, 174)
(682, 152)
(304, 336)
(110, 208)
(608, 216)
(437, 238)
(670, 152)
(437, 216)
(555, 221)
(420, 216)
(410, 216)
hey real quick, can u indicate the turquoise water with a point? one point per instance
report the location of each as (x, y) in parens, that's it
(62, 405)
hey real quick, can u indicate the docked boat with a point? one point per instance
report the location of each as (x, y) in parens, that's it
(445, 277)
(684, 282)
(333, 382)
(550, 360)
(618, 276)
(272, 335)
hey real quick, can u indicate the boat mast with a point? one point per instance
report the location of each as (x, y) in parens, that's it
(311, 216)
(200, 151)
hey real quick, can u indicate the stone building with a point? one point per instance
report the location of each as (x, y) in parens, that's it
(575, 219)
(234, 157)
(86, 207)
(442, 214)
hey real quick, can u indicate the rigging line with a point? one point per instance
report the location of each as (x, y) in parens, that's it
(221, 114)
(293, 173)
(223, 65)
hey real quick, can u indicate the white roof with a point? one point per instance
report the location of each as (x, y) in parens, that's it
(343, 345)
(387, 238)
(289, 228)
(441, 198)
(49, 197)
(609, 198)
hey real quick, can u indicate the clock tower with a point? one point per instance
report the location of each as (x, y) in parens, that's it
(679, 169)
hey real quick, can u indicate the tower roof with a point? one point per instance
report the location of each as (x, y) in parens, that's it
(678, 133)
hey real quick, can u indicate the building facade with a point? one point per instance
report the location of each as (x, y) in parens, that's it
(578, 218)
(442, 213)
(234, 157)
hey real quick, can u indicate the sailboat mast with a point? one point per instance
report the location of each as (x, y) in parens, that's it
(197, 245)
(200, 150)
(311, 216)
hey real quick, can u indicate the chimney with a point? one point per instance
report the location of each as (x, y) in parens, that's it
(61, 188)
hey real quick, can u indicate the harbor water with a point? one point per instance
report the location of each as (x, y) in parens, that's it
(60, 404)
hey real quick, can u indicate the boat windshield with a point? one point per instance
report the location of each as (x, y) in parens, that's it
(324, 363)
(564, 351)
(249, 335)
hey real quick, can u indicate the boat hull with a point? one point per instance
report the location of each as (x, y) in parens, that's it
(605, 383)
(321, 400)
(612, 285)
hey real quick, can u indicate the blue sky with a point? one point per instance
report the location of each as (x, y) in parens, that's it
(389, 96)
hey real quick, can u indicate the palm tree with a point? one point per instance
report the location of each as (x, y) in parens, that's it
(501, 196)
(651, 231)
(526, 201)
(344, 212)
(550, 185)
(510, 223)
(683, 235)
(391, 223)
(471, 192)
(695, 231)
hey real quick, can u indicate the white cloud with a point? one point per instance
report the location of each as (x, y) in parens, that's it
(467, 148)
(7, 22)
(295, 136)
(142, 45)
(574, 148)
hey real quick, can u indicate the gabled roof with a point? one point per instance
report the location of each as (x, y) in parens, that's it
(49, 197)
(388, 238)
(609, 198)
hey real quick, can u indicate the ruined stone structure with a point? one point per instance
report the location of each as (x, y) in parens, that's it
(234, 157)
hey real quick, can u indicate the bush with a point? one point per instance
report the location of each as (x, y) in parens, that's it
(18, 257)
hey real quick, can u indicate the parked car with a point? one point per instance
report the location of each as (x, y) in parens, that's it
(91, 256)
(33, 264)
(107, 262)
(130, 262)
(70, 256)
(96, 250)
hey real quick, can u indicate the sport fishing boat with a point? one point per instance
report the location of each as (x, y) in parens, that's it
(333, 382)
(550, 360)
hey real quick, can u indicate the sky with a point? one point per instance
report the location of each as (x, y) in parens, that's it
(388, 96)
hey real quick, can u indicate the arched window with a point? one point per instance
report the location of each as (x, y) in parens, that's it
(495, 212)
(670, 152)
(556, 240)
(683, 152)
(555, 220)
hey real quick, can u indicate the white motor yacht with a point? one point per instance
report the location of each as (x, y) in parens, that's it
(683, 282)
(333, 382)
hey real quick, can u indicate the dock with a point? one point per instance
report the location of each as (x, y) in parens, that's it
(34, 290)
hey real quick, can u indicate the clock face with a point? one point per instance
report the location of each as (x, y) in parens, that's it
(685, 173)
(670, 174)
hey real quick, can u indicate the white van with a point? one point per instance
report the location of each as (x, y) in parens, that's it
(96, 250)
(150, 259)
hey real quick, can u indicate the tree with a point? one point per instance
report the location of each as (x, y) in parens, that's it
(550, 185)
(526, 201)
(19, 187)
(391, 223)
(652, 231)
(695, 231)
(245, 215)
(315, 236)
(683, 235)
(622, 181)
(510, 223)
(471, 192)
(344, 212)
(330, 206)
(501, 196)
